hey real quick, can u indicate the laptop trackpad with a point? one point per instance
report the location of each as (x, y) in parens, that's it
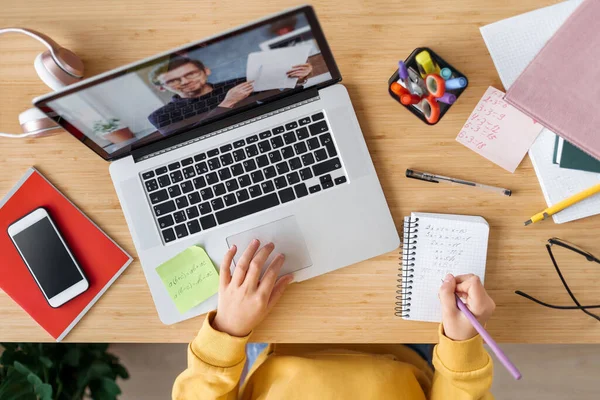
(287, 237)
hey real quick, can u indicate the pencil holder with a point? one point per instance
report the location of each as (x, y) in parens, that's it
(426, 85)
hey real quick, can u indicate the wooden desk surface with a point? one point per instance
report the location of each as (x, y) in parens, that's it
(354, 304)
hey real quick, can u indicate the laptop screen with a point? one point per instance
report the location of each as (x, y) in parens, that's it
(146, 102)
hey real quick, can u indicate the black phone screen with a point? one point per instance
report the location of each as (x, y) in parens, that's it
(47, 257)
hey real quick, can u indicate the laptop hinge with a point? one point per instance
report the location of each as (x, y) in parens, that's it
(215, 128)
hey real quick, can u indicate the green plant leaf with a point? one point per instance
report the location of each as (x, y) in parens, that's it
(120, 371)
(46, 362)
(73, 356)
(43, 391)
(22, 368)
(99, 369)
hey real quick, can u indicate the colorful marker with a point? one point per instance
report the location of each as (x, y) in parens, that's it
(408, 99)
(447, 98)
(456, 83)
(446, 73)
(435, 85)
(403, 73)
(398, 89)
(426, 64)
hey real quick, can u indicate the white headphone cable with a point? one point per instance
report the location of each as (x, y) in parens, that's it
(22, 135)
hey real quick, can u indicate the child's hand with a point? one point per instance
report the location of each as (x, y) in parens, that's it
(244, 300)
(468, 287)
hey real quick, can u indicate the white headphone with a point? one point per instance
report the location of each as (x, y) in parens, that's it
(57, 67)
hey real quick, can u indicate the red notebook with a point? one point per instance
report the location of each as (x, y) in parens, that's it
(101, 259)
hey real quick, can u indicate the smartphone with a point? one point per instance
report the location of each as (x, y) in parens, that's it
(48, 258)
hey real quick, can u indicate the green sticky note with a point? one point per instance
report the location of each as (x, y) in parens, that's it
(190, 278)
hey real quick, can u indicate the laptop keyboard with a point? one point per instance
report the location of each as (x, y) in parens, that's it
(243, 177)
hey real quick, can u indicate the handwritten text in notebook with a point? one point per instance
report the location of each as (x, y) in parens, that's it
(498, 131)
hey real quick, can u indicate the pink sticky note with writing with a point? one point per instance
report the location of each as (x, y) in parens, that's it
(498, 131)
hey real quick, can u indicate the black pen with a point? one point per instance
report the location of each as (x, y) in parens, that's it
(425, 176)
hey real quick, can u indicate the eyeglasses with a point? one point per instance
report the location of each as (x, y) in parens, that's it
(189, 76)
(588, 256)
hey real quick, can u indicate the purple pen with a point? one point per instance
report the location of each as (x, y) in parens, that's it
(403, 73)
(488, 339)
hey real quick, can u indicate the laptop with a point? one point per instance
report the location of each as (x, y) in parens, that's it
(245, 134)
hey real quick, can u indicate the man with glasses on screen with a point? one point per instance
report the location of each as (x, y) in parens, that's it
(187, 79)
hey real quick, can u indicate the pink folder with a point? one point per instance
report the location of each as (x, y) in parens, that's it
(561, 87)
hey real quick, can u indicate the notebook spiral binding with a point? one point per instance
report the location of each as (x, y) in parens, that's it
(407, 263)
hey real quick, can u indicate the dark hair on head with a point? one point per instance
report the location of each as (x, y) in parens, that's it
(170, 65)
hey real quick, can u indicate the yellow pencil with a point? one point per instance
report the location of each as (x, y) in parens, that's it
(563, 204)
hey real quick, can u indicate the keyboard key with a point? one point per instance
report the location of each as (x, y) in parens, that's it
(313, 143)
(168, 235)
(219, 189)
(318, 128)
(280, 182)
(305, 174)
(340, 180)
(194, 198)
(166, 221)
(264, 146)
(181, 202)
(318, 116)
(213, 152)
(282, 168)
(287, 152)
(207, 194)
(237, 169)
(226, 159)
(224, 174)
(326, 138)
(201, 168)
(174, 166)
(257, 176)
(275, 156)
(187, 161)
(229, 199)
(204, 208)
(286, 195)
(164, 208)
(232, 185)
(278, 130)
(331, 149)
(147, 175)
(252, 150)
(264, 135)
(326, 166)
(291, 125)
(321, 155)
(270, 172)
(314, 189)
(213, 164)
(293, 178)
(295, 163)
(200, 157)
(212, 178)
(174, 191)
(248, 208)
(225, 148)
(302, 133)
(262, 161)
(244, 180)
(179, 216)
(300, 190)
(325, 178)
(327, 184)
(252, 139)
(217, 204)
(192, 212)
(289, 137)
(305, 121)
(164, 181)
(176, 176)
(199, 182)
(193, 226)
(181, 231)
(277, 142)
(267, 187)
(189, 172)
(239, 155)
(239, 143)
(161, 170)
(159, 196)
(151, 185)
(254, 191)
(242, 195)
(208, 222)
(249, 165)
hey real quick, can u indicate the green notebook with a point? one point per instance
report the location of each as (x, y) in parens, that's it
(569, 156)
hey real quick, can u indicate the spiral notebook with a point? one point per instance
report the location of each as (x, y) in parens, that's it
(434, 245)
